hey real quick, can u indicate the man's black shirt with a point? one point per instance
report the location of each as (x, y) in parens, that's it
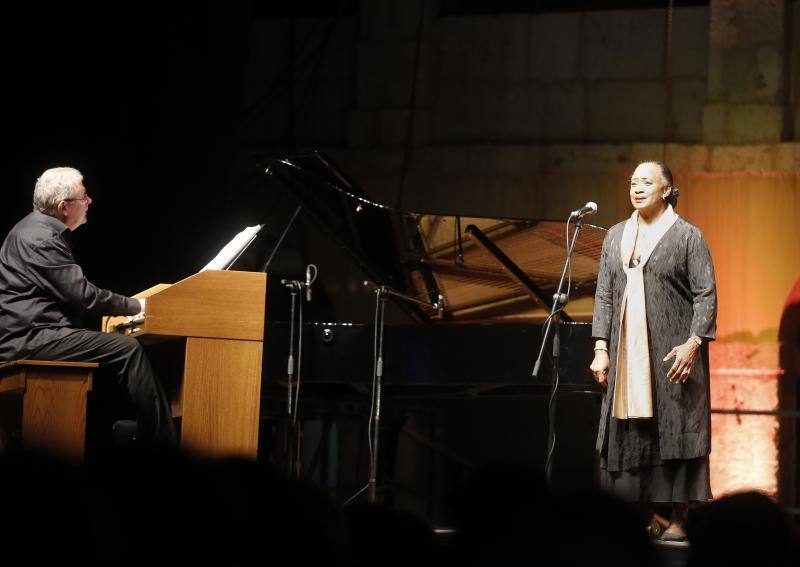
(43, 292)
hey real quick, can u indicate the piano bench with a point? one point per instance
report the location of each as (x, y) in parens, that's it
(53, 408)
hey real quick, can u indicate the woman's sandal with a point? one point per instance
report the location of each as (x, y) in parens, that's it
(654, 529)
(668, 536)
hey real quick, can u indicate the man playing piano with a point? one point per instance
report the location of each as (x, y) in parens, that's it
(44, 296)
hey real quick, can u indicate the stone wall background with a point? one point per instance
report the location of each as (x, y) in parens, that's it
(504, 106)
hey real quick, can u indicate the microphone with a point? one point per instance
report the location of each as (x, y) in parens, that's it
(308, 283)
(589, 208)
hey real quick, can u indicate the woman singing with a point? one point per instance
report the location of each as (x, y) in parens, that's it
(655, 310)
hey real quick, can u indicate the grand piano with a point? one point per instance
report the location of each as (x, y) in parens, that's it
(475, 292)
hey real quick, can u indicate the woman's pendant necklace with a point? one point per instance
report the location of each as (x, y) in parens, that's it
(641, 244)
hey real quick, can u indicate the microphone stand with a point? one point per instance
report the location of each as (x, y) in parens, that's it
(560, 301)
(295, 288)
(381, 293)
(292, 449)
(377, 378)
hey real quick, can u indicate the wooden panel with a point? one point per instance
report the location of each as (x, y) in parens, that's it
(58, 363)
(213, 304)
(221, 396)
(152, 290)
(10, 421)
(13, 383)
(109, 324)
(54, 410)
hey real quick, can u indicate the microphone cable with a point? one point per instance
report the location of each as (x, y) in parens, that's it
(554, 393)
(295, 367)
(377, 373)
(299, 361)
(309, 282)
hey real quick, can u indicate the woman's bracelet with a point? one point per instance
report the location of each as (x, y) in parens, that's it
(601, 348)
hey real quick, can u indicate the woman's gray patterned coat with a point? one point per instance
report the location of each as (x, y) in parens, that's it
(681, 301)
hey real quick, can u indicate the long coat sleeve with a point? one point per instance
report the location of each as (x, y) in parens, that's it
(680, 298)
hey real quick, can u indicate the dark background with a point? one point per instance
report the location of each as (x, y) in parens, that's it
(143, 99)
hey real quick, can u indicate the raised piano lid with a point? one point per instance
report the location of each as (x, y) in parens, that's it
(426, 255)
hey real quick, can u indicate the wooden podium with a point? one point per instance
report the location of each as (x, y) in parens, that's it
(221, 316)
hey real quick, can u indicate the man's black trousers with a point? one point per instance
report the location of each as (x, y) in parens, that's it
(124, 357)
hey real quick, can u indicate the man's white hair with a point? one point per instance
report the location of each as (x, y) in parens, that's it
(54, 186)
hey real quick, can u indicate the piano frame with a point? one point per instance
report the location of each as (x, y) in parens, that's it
(220, 314)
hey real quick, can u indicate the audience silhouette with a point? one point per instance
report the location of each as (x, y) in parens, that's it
(138, 505)
(507, 516)
(747, 528)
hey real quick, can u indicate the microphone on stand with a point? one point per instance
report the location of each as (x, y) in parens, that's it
(308, 283)
(589, 208)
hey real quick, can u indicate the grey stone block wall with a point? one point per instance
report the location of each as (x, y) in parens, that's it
(624, 44)
(530, 79)
(321, 80)
(543, 181)
(574, 77)
(749, 85)
(725, 123)
(686, 119)
(392, 19)
(621, 111)
(384, 73)
(555, 47)
(565, 109)
(689, 45)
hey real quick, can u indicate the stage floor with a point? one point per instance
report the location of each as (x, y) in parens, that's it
(672, 554)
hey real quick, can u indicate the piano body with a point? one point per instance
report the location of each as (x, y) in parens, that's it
(217, 319)
(478, 290)
(479, 280)
(476, 293)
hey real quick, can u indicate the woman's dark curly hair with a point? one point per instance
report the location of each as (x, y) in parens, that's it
(672, 197)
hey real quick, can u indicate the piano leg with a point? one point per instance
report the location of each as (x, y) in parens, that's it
(221, 397)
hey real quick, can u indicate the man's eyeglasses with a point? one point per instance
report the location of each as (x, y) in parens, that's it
(84, 198)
